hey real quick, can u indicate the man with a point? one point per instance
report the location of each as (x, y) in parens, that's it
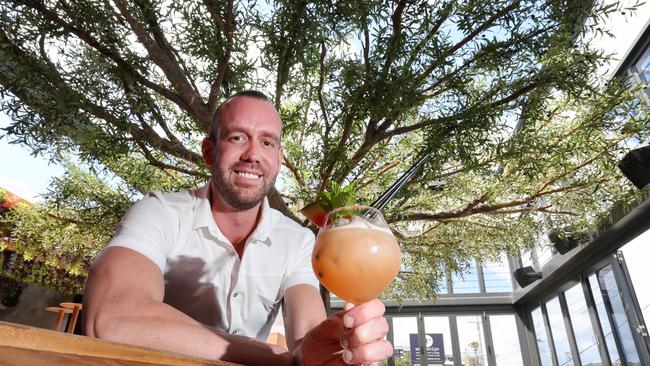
(203, 272)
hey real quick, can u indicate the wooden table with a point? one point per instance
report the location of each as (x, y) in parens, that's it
(22, 345)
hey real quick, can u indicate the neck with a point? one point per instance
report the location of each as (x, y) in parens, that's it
(236, 224)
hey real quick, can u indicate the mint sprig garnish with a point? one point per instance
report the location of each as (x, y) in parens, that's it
(337, 197)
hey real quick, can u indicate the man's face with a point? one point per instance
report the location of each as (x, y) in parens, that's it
(246, 155)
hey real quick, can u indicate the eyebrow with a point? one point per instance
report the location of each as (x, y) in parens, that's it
(272, 136)
(266, 134)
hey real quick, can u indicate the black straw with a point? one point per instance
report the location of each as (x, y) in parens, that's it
(385, 197)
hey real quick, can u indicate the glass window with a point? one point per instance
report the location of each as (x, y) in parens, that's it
(506, 340)
(539, 255)
(470, 340)
(527, 259)
(541, 338)
(559, 333)
(582, 327)
(442, 285)
(614, 305)
(636, 260)
(612, 350)
(642, 66)
(497, 276)
(403, 327)
(439, 347)
(544, 253)
(466, 282)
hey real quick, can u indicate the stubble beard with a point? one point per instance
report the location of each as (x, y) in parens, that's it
(236, 197)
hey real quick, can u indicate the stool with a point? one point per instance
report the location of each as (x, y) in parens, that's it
(75, 308)
(60, 314)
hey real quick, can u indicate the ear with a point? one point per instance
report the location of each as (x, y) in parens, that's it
(281, 157)
(207, 151)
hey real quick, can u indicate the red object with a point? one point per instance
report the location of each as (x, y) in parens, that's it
(315, 212)
(11, 200)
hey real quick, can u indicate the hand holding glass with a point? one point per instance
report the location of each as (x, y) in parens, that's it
(356, 255)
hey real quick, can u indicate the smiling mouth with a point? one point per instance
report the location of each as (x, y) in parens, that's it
(248, 175)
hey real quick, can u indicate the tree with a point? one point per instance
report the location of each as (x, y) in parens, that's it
(504, 96)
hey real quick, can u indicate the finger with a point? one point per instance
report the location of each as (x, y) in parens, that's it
(348, 306)
(367, 353)
(363, 313)
(367, 332)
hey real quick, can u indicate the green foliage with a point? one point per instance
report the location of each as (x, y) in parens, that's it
(58, 239)
(338, 196)
(523, 134)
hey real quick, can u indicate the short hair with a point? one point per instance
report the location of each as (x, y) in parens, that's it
(217, 114)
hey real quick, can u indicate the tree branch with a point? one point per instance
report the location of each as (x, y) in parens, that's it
(487, 24)
(474, 223)
(276, 202)
(213, 9)
(155, 112)
(480, 208)
(374, 136)
(153, 24)
(294, 170)
(163, 166)
(366, 51)
(345, 135)
(379, 172)
(112, 54)
(477, 57)
(53, 84)
(226, 29)
(533, 209)
(467, 112)
(321, 83)
(446, 12)
(578, 167)
(161, 56)
(394, 38)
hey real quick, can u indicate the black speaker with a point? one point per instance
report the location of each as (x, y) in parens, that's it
(526, 275)
(635, 165)
(561, 243)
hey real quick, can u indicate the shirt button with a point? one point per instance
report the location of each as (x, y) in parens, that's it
(235, 294)
(236, 331)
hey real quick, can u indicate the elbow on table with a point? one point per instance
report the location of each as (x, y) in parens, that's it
(103, 325)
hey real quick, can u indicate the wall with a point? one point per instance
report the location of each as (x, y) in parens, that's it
(31, 307)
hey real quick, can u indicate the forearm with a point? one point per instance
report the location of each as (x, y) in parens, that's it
(160, 326)
(302, 310)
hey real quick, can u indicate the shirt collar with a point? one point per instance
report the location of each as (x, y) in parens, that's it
(203, 217)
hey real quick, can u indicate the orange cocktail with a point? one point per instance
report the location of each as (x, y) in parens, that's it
(356, 255)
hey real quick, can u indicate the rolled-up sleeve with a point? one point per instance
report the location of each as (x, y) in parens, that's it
(300, 272)
(147, 229)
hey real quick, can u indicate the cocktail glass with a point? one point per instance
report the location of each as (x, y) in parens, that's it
(356, 255)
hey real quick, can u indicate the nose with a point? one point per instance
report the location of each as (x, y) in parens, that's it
(251, 153)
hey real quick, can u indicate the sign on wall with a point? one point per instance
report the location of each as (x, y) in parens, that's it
(435, 348)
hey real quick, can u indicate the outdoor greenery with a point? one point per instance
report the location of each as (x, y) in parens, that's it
(506, 97)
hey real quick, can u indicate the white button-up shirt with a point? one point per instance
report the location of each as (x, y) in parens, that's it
(204, 276)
